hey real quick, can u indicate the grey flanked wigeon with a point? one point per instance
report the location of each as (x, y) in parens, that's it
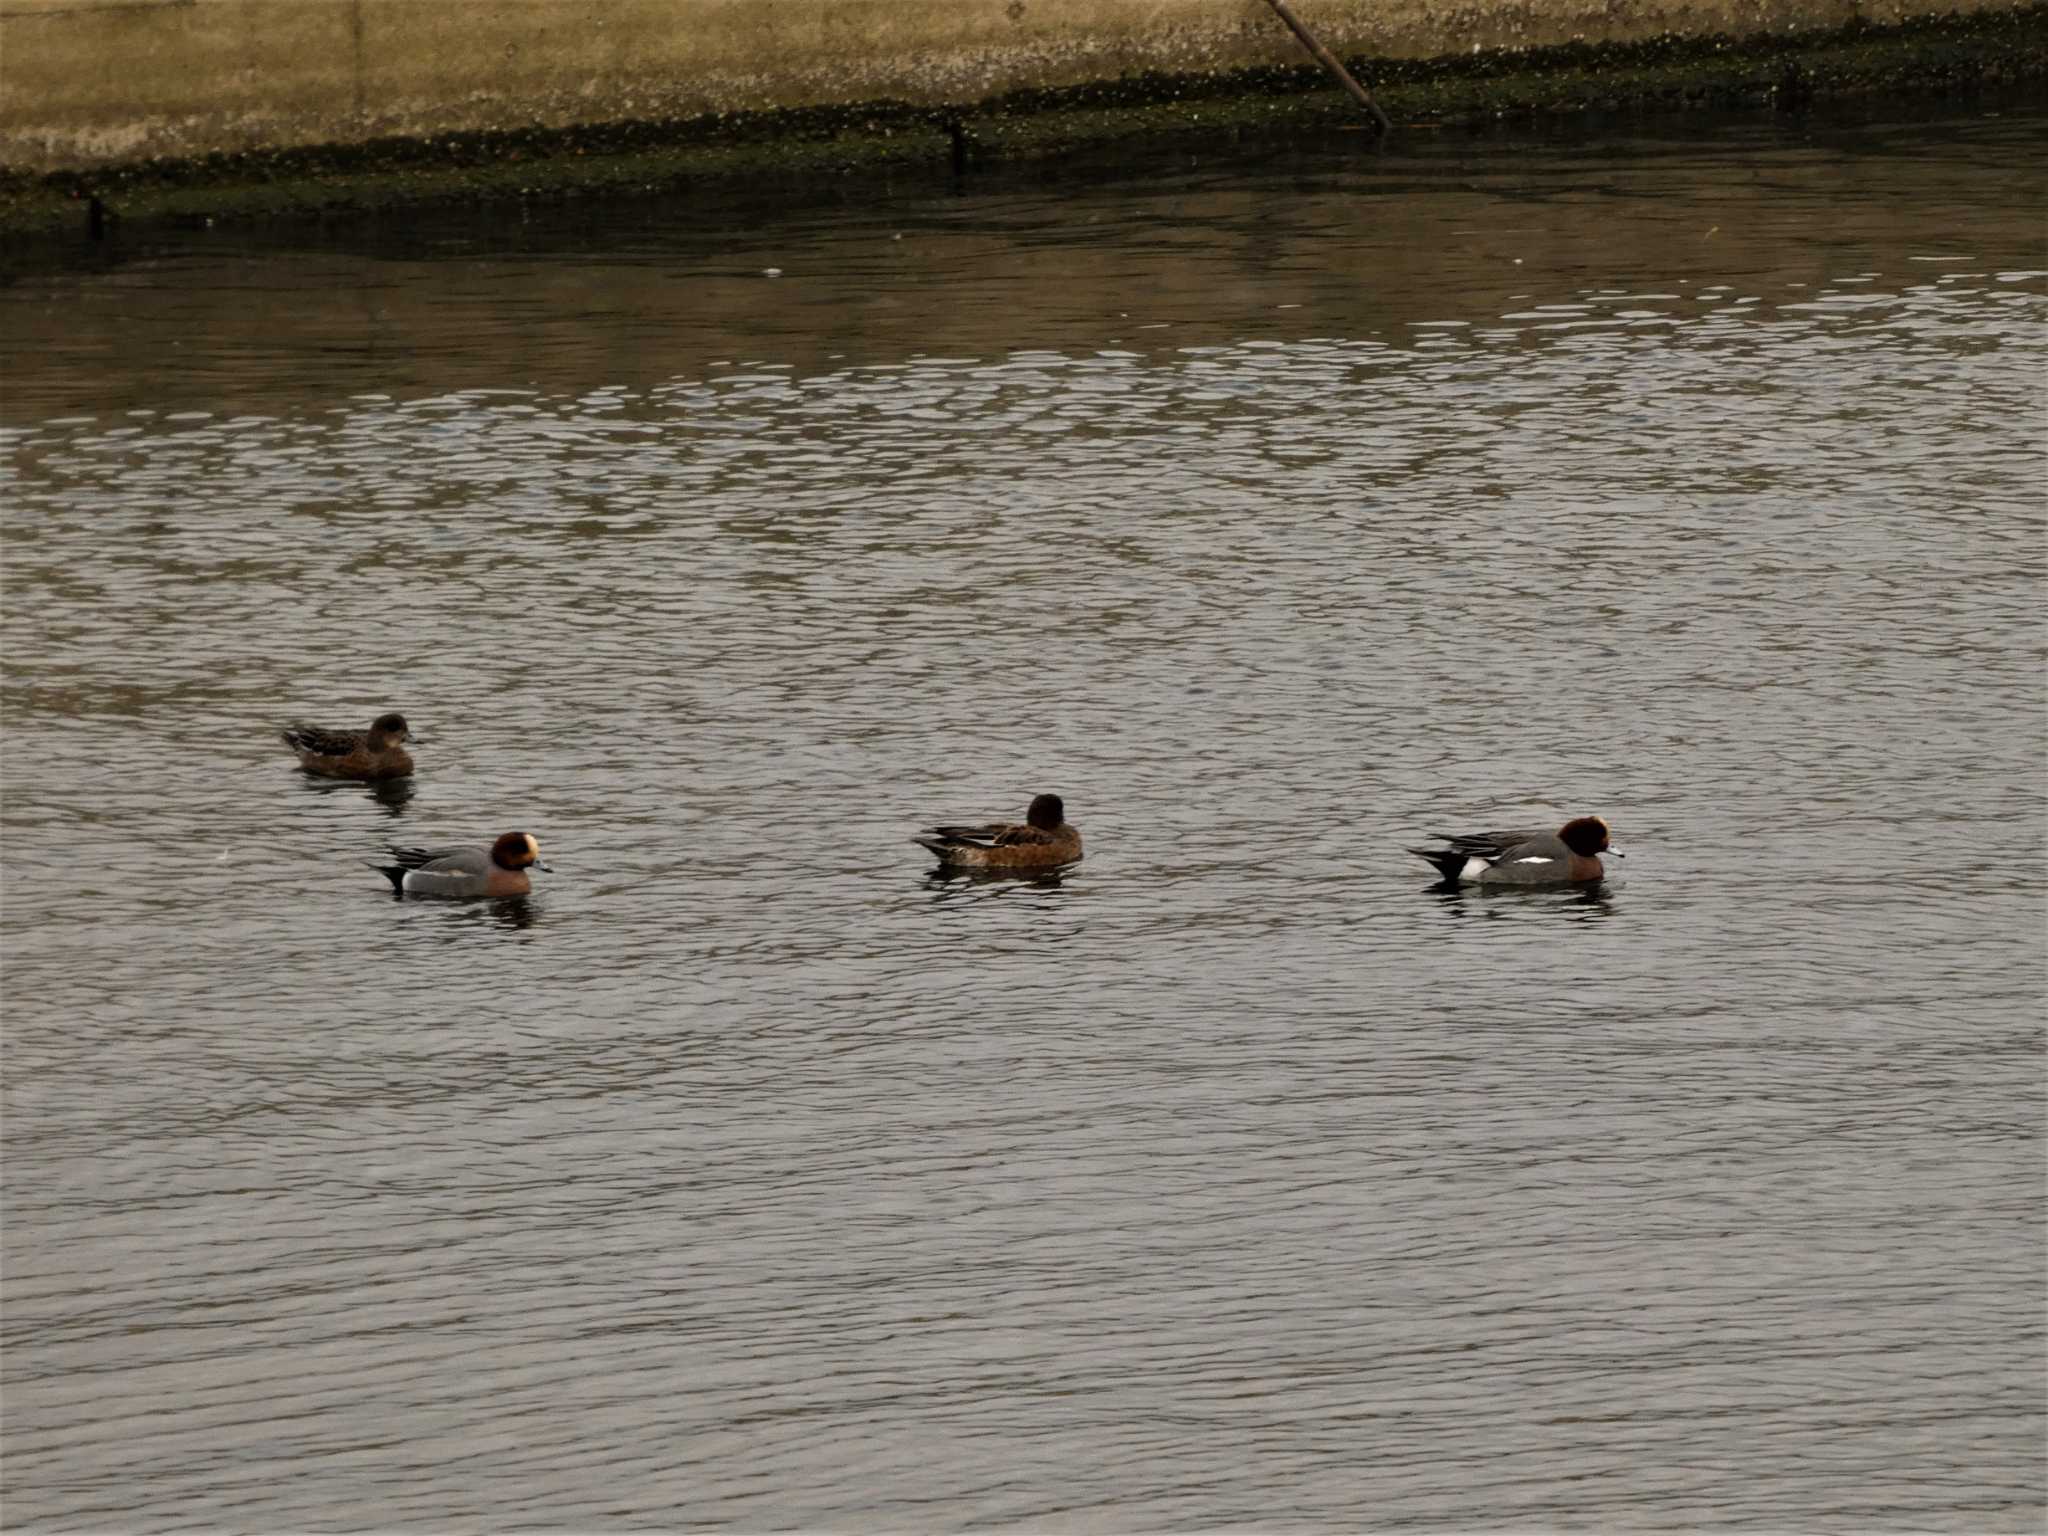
(499, 870)
(1571, 853)
(377, 753)
(1045, 840)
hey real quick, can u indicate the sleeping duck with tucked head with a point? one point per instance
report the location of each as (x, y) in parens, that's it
(1045, 839)
(1566, 856)
(378, 753)
(459, 873)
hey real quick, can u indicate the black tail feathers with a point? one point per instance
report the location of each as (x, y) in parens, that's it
(1448, 861)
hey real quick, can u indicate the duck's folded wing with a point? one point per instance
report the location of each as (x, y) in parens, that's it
(439, 858)
(1014, 836)
(995, 834)
(310, 738)
(1491, 845)
(977, 836)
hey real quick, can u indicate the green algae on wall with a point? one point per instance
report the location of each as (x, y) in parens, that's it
(1912, 59)
(92, 83)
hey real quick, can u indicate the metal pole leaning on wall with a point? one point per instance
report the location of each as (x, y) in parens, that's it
(1329, 61)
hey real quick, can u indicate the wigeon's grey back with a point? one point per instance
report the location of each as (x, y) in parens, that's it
(376, 753)
(460, 873)
(1043, 840)
(1568, 855)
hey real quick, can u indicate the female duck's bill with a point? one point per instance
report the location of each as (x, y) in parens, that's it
(1043, 840)
(1568, 855)
(499, 870)
(377, 753)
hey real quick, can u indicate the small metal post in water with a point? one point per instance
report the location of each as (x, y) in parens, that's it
(1330, 61)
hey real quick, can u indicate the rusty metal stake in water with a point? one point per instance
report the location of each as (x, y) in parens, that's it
(1329, 61)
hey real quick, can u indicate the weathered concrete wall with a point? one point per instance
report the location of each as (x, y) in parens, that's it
(94, 82)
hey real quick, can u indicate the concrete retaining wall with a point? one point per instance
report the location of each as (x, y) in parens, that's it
(87, 83)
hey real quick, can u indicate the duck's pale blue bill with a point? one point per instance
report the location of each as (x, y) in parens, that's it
(546, 869)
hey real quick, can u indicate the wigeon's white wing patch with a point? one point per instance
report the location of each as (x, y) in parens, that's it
(1530, 858)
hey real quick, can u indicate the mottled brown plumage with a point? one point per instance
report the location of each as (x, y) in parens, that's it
(1043, 840)
(373, 754)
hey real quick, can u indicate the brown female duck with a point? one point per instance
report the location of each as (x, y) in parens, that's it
(1044, 840)
(377, 753)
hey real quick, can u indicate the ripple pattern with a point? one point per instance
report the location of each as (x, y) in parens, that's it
(746, 1178)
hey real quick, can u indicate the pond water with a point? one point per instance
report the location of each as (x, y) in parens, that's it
(1278, 510)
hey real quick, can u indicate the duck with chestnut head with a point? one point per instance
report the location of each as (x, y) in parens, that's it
(499, 870)
(1570, 854)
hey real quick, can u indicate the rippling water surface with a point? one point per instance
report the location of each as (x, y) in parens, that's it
(1277, 512)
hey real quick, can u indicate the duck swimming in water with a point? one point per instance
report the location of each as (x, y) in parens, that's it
(499, 870)
(377, 753)
(1043, 840)
(1571, 853)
